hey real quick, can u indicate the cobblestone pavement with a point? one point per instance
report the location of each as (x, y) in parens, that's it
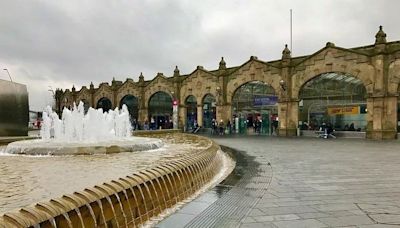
(302, 182)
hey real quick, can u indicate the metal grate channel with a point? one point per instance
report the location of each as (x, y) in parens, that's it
(246, 187)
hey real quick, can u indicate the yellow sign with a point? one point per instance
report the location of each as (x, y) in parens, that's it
(348, 110)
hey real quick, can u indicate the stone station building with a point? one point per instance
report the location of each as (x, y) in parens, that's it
(204, 94)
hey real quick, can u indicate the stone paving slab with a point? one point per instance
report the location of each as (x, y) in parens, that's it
(304, 182)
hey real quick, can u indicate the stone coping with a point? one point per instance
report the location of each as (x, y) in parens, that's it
(9, 139)
(127, 202)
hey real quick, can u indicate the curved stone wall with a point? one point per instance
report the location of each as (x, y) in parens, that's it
(126, 202)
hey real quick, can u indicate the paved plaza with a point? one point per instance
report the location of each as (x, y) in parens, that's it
(302, 182)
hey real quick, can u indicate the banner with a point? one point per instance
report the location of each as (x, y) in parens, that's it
(348, 110)
(265, 100)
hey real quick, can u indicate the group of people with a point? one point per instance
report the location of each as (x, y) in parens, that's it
(315, 126)
(219, 128)
(151, 125)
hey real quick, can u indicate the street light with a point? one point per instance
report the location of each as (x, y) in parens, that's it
(8, 74)
(51, 90)
(53, 101)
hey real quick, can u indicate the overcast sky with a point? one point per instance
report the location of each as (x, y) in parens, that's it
(59, 43)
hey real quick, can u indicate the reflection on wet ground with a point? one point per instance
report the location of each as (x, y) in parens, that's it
(302, 182)
(28, 179)
(228, 202)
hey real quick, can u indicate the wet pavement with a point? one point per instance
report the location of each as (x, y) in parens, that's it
(301, 182)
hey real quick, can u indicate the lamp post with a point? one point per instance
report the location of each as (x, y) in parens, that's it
(8, 74)
(53, 101)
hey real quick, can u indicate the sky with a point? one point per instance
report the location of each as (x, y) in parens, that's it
(51, 44)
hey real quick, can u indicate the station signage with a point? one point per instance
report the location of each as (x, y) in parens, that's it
(265, 100)
(347, 110)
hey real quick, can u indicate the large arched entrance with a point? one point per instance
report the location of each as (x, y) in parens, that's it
(209, 110)
(104, 103)
(255, 109)
(191, 112)
(160, 111)
(132, 104)
(335, 100)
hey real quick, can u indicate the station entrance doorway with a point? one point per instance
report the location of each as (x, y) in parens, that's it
(160, 111)
(334, 100)
(255, 109)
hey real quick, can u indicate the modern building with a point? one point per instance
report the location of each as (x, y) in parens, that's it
(14, 109)
(350, 88)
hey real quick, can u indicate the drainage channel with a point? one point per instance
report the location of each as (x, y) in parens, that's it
(229, 202)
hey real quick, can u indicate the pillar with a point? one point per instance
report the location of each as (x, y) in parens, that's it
(143, 115)
(224, 112)
(382, 117)
(288, 114)
(182, 116)
(200, 115)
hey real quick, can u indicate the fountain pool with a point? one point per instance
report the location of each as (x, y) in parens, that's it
(123, 181)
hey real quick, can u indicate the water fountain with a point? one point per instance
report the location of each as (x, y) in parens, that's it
(78, 133)
(136, 187)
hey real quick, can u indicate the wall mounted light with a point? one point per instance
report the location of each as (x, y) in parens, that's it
(283, 84)
(219, 92)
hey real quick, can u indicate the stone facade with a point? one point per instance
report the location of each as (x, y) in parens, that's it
(377, 66)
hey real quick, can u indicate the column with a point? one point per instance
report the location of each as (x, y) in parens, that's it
(288, 114)
(224, 112)
(143, 115)
(382, 117)
(200, 115)
(182, 118)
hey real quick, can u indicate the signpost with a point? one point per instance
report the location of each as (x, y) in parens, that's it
(175, 104)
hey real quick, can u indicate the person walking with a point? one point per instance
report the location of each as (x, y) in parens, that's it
(221, 127)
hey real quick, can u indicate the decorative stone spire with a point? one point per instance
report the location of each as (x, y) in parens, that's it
(380, 37)
(222, 64)
(73, 88)
(91, 86)
(286, 53)
(176, 71)
(330, 44)
(141, 77)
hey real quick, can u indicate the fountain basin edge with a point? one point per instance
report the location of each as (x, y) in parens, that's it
(129, 201)
(51, 147)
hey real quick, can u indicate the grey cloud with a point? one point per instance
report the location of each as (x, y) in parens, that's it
(60, 43)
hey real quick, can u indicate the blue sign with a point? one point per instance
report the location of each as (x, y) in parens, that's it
(265, 100)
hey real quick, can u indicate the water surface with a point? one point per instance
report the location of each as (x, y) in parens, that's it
(28, 179)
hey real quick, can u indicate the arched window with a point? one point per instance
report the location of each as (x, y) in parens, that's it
(132, 104)
(104, 103)
(160, 111)
(209, 110)
(191, 112)
(334, 99)
(254, 106)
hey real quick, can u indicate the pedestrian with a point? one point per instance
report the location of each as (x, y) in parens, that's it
(213, 127)
(221, 127)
